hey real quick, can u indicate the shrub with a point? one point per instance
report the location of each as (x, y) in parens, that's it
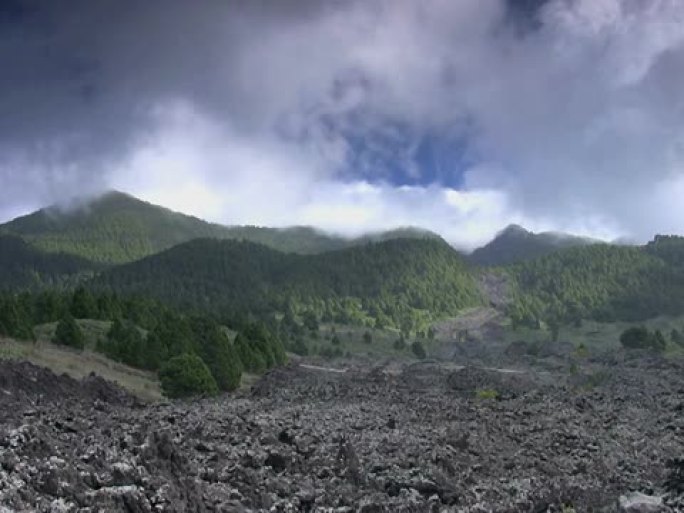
(581, 351)
(251, 358)
(487, 393)
(330, 352)
(218, 353)
(124, 343)
(638, 337)
(418, 350)
(367, 337)
(186, 375)
(299, 347)
(68, 333)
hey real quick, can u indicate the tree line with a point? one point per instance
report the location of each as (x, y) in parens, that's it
(149, 335)
(402, 283)
(600, 282)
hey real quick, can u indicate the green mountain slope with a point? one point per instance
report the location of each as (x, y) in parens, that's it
(396, 282)
(118, 228)
(113, 229)
(516, 244)
(601, 282)
(24, 267)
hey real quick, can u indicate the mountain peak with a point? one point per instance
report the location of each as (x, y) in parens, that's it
(513, 229)
(116, 227)
(515, 244)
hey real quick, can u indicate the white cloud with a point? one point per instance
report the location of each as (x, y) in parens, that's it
(257, 113)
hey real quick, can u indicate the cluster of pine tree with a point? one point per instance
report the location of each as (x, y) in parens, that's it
(148, 335)
(600, 282)
(400, 283)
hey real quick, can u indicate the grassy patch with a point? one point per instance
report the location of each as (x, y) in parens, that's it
(352, 341)
(601, 335)
(487, 394)
(93, 330)
(78, 364)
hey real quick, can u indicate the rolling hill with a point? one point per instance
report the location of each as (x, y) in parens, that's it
(602, 282)
(389, 283)
(118, 228)
(25, 267)
(516, 244)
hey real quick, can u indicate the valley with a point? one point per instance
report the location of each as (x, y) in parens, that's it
(387, 373)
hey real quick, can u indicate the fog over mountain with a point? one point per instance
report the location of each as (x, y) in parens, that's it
(355, 116)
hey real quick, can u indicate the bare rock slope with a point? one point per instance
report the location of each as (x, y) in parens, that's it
(365, 440)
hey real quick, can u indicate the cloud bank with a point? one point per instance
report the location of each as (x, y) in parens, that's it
(558, 114)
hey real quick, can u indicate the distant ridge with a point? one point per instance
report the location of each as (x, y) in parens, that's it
(25, 267)
(117, 228)
(516, 244)
(384, 283)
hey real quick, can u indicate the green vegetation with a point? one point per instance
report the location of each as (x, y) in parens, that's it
(601, 282)
(186, 375)
(79, 364)
(25, 267)
(487, 394)
(158, 292)
(15, 319)
(217, 351)
(113, 229)
(69, 333)
(125, 343)
(639, 337)
(515, 244)
(118, 228)
(143, 333)
(418, 350)
(402, 283)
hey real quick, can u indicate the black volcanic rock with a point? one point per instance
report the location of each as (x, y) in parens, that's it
(314, 440)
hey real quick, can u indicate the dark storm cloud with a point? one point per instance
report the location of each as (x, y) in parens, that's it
(569, 111)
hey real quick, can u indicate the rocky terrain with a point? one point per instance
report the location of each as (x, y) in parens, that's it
(411, 438)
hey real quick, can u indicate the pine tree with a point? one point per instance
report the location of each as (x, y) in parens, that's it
(218, 353)
(15, 320)
(251, 358)
(418, 350)
(186, 375)
(68, 333)
(83, 305)
(125, 343)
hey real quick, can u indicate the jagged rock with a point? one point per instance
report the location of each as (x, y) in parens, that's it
(361, 440)
(637, 502)
(276, 461)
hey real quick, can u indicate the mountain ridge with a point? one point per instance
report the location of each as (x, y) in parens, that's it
(117, 228)
(385, 282)
(516, 244)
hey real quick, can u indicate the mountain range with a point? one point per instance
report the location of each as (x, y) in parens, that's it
(117, 228)
(516, 244)
(122, 245)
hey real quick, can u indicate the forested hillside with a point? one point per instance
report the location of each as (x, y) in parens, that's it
(149, 335)
(516, 244)
(24, 267)
(117, 228)
(600, 282)
(404, 278)
(113, 229)
(400, 282)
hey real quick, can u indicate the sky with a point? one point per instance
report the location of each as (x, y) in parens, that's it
(352, 115)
